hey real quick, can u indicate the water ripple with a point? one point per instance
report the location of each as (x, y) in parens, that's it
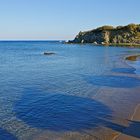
(60, 112)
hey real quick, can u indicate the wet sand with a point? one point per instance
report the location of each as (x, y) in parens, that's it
(132, 132)
(133, 57)
(133, 129)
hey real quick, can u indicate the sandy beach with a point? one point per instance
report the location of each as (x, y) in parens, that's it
(133, 131)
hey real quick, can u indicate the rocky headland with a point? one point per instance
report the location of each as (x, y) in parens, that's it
(108, 35)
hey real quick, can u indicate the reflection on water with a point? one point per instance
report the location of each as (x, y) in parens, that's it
(60, 112)
(113, 81)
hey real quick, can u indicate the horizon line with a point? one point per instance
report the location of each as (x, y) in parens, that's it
(33, 40)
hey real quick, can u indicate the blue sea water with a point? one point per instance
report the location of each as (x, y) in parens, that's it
(59, 93)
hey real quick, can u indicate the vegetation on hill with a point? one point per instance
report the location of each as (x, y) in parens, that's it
(109, 35)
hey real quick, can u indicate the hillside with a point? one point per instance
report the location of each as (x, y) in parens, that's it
(109, 35)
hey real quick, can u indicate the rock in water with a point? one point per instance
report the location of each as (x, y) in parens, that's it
(49, 53)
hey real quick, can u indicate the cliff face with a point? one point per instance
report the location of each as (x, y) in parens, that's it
(108, 35)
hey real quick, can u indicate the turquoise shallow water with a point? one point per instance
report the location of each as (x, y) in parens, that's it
(62, 93)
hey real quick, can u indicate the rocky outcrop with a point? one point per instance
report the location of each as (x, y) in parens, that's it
(133, 57)
(109, 35)
(49, 53)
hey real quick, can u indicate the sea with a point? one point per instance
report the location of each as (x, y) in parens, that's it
(80, 92)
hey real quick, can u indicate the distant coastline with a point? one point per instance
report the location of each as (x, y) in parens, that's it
(111, 36)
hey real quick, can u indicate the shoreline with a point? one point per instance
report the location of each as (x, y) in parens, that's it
(134, 118)
(131, 45)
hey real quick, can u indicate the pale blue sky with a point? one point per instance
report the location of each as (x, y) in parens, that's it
(62, 19)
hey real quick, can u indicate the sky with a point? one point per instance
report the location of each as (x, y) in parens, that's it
(62, 19)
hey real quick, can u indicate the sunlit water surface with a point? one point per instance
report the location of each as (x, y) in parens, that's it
(77, 90)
